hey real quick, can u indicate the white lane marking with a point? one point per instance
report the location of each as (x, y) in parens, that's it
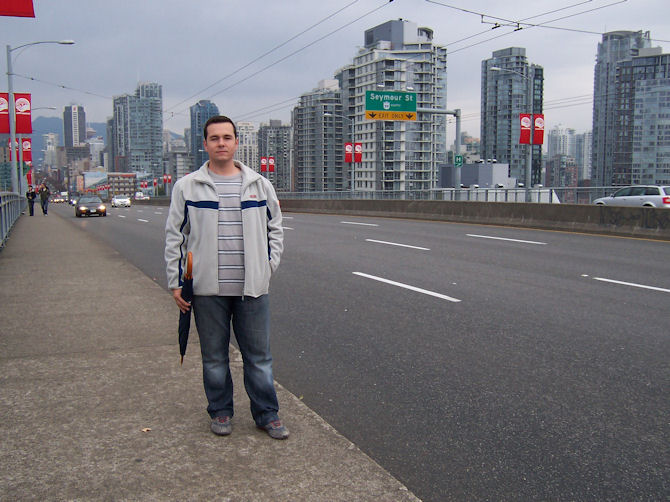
(287, 228)
(287, 217)
(632, 284)
(140, 210)
(356, 223)
(157, 213)
(407, 286)
(504, 239)
(396, 244)
(121, 215)
(140, 219)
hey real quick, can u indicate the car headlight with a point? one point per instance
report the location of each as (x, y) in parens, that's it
(83, 208)
(101, 207)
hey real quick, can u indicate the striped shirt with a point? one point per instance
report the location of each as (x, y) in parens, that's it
(231, 243)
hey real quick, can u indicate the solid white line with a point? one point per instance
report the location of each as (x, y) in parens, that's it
(121, 215)
(287, 228)
(407, 286)
(396, 244)
(140, 219)
(504, 239)
(356, 223)
(632, 284)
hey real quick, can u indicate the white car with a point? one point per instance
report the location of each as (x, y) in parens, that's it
(120, 201)
(638, 196)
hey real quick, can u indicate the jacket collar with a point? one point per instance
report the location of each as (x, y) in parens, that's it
(248, 174)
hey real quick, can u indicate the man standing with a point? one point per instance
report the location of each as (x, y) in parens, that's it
(31, 195)
(228, 216)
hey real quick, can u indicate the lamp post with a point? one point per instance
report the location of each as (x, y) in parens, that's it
(16, 176)
(529, 97)
(353, 143)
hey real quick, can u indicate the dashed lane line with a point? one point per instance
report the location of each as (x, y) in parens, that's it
(407, 286)
(398, 244)
(505, 239)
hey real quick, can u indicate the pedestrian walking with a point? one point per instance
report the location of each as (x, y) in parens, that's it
(228, 216)
(31, 195)
(44, 198)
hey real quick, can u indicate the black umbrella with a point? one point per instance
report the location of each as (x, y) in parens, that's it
(185, 317)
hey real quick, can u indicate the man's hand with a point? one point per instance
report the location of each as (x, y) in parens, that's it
(183, 305)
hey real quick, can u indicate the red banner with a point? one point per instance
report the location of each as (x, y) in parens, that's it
(524, 119)
(17, 8)
(4, 113)
(264, 164)
(24, 124)
(29, 176)
(358, 152)
(271, 164)
(27, 150)
(348, 151)
(538, 129)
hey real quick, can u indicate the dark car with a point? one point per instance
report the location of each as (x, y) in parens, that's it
(88, 205)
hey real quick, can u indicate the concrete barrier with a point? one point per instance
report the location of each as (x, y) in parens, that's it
(651, 223)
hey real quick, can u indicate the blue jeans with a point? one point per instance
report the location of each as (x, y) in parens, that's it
(251, 325)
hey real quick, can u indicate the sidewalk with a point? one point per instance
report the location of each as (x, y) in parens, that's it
(89, 362)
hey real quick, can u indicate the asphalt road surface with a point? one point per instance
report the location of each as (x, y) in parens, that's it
(472, 362)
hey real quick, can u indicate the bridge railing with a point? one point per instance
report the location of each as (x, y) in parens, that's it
(546, 195)
(10, 210)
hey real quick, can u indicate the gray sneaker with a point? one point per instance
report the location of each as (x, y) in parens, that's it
(221, 426)
(275, 429)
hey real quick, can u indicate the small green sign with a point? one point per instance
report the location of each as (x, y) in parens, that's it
(458, 160)
(390, 101)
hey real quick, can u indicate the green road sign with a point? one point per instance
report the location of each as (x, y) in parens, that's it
(458, 160)
(390, 101)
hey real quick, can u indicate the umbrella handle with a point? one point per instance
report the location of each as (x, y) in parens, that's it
(189, 266)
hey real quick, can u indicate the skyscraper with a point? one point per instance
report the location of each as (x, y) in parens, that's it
(202, 111)
(319, 133)
(247, 152)
(397, 155)
(74, 125)
(138, 131)
(583, 144)
(615, 46)
(274, 140)
(510, 86)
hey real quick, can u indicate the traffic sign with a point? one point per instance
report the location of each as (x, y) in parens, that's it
(390, 105)
(458, 160)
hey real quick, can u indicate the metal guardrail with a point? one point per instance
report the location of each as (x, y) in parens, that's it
(11, 205)
(547, 195)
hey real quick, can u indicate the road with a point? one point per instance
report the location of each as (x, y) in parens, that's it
(472, 362)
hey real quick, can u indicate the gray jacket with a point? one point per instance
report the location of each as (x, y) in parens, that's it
(192, 226)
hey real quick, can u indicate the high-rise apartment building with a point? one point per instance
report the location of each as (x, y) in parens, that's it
(583, 144)
(137, 131)
(642, 137)
(202, 111)
(274, 140)
(397, 155)
(561, 141)
(74, 126)
(319, 133)
(510, 86)
(616, 46)
(247, 151)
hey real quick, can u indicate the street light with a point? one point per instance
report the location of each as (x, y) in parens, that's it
(529, 93)
(16, 176)
(353, 143)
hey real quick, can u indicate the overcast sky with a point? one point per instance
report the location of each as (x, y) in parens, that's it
(188, 46)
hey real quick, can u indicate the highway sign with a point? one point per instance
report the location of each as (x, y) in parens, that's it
(390, 105)
(375, 115)
(458, 160)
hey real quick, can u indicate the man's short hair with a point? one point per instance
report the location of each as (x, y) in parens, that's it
(218, 119)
